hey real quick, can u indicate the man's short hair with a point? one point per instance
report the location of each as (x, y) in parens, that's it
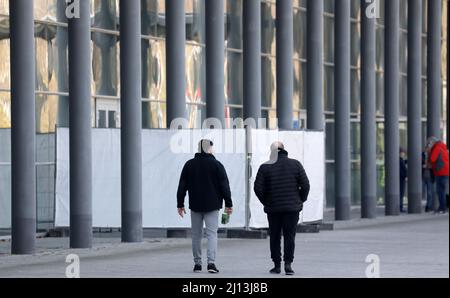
(204, 146)
(276, 146)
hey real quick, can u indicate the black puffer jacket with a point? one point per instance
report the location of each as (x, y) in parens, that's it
(282, 185)
(206, 181)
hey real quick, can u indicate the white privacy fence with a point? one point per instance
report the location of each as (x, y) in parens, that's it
(306, 146)
(5, 178)
(45, 179)
(161, 172)
(164, 155)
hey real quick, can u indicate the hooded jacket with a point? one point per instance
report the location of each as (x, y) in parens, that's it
(206, 181)
(439, 159)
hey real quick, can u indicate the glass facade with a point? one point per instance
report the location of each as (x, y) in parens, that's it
(52, 69)
(356, 95)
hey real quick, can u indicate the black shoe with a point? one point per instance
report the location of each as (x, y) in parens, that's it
(276, 269)
(288, 269)
(197, 268)
(212, 268)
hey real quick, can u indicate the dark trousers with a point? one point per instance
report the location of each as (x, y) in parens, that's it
(428, 190)
(285, 222)
(402, 193)
(441, 189)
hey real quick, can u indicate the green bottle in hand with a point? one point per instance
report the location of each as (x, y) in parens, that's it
(225, 218)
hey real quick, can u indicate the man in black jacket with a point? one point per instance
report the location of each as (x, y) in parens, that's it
(206, 181)
(282, 186)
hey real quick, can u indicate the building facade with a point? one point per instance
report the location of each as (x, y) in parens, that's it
(51, 42)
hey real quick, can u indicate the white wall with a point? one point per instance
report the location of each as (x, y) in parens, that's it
(5, 178)
(305, 146)
(161, 173)
(164, 154)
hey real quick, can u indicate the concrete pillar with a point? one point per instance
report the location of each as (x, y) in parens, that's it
(285, 70)
(368, 116)
(175, 57)
(342, 110)
(392, 89)
(23, 127)
(252, 59)
(215, 51)
(80, 129)
(131, 119)
(434, 86)
(314, 80)
(414, 106)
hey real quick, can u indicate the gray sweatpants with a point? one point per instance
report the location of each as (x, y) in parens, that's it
(211, 220)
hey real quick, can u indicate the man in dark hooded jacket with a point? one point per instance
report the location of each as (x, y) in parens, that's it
(206, 181)
(282, 186)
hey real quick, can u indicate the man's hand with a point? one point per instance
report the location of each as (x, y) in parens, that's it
(181, 212)
(228, 211)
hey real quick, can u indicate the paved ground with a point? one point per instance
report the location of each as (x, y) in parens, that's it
(408, 246)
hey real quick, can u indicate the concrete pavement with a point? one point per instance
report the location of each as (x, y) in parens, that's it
(408, 246)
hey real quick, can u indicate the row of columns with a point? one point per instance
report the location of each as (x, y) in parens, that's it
(23, 101)
(368, 111)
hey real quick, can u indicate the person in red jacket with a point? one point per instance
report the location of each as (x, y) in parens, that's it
(439, 164)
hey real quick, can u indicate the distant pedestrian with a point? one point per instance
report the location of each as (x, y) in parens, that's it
(206, 181)
(439, 163)
(403, 177)
(282, 186)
